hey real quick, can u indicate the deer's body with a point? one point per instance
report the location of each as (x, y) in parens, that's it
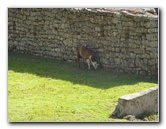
(86, 53)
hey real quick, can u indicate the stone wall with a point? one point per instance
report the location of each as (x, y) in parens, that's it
(138, 103)
(125, 42)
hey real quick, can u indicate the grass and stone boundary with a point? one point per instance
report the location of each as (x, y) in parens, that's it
(137, 103)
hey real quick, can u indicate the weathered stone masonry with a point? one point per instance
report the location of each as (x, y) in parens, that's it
(124, 41)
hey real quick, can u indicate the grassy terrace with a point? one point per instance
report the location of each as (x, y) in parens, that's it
(52, 90)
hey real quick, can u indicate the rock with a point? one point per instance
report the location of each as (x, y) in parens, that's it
(130, 117)
(137, 103)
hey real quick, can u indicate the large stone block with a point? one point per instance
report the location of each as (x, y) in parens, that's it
(137, 103)
(152, 36)
(153, 24)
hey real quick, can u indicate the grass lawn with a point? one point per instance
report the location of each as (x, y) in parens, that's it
(51, 90)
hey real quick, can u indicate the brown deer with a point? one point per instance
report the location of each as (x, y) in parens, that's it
(86, 53)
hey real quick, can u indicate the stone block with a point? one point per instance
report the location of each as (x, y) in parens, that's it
(137, 103)
(152, 36)
(151, 24)
(115, 20)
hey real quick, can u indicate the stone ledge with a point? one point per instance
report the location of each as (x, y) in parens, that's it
(137, 103)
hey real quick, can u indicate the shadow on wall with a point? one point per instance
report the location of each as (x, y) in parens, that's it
(56, 69)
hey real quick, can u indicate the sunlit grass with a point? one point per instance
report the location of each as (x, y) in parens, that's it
(51, 90)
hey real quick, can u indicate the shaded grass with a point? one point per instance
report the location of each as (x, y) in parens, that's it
(148, 116)
(52, 90)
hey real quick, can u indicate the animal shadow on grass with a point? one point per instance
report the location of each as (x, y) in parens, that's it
(69, 71)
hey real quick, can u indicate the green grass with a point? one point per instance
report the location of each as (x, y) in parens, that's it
(51, 90)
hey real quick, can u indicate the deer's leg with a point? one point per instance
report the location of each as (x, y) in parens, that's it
(78, 60)
(88, 62)
(82, 62)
